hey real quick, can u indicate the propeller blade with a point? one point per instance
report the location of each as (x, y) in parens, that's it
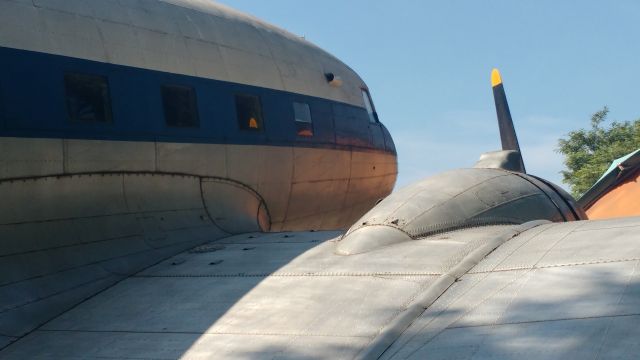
(505, 123)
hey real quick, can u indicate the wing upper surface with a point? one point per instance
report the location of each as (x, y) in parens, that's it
(554, 290)
(255, 296)
(569, 290)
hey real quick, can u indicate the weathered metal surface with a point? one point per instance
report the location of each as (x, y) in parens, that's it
(510, 160)
(65, 238)
(559, 291)
(189, 37)
(233, 207)
(453, 200)
(302, 188)
(86, 210)
(286, 294)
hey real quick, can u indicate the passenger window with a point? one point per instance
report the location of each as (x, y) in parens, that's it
(87, 98)
(249, 112)
(180, 106)
(304, 124)
(368, 104)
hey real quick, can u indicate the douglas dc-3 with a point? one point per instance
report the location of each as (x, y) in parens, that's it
(172, 175)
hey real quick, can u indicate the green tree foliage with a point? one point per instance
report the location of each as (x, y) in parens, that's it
(588, 153)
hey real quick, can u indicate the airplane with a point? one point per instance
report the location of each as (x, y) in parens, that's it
(143, 212)
(131, 131)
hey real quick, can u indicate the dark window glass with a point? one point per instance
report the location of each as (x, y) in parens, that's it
(368, 104)
(180, 106)
(304, 124)
(249, 112)
(87, 98)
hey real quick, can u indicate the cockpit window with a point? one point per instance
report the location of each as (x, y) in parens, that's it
(249, 112)
(87, 98)
(180, 107)
(304, 123)
(368, 104)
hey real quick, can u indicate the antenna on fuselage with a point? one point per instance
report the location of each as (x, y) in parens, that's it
(505, 123)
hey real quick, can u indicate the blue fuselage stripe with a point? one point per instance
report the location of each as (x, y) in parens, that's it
(32, 104)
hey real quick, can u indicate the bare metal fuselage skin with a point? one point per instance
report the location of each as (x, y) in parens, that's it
(145, 234)
(85, 203)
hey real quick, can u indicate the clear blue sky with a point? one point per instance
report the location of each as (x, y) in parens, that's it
(428, 63)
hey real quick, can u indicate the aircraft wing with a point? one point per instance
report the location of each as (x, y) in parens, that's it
(557, 291)
(537, 290)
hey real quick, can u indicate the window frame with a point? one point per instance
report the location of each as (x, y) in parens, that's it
(302, 125)
(260, 113)
(107, 103)
(373, 115)
(193, 104)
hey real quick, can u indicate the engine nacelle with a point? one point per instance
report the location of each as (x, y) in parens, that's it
(458, 199)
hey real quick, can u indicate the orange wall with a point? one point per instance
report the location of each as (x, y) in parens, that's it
(623, 200)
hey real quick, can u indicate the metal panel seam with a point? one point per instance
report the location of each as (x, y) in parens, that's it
(392, 331)
(285, 218)
(206, 209)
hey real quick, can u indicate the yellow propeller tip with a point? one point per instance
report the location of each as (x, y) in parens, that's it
(496, 79)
